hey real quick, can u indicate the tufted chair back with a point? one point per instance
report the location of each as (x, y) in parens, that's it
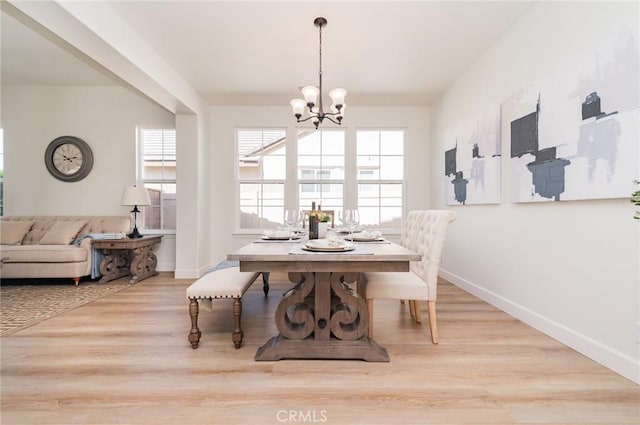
(424, 232)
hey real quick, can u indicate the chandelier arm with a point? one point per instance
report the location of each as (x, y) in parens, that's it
(309, 117)
(333, 114)
(331, 119)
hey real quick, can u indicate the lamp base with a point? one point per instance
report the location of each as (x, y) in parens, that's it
(134, 234)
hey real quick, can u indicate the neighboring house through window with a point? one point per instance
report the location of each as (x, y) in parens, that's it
(321, 162)
(380, 165)
(261, 154)
(157, 171)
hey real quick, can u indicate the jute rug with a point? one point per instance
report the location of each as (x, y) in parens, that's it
(25, 302)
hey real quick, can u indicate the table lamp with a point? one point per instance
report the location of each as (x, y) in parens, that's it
(134, 196)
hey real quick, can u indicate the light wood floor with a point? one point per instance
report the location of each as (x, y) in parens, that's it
(125, 359)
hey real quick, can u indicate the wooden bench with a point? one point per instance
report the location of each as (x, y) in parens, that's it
(226, 283)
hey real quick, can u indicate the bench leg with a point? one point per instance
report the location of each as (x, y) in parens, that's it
(265, 283)
(194, 334)
(237, 315)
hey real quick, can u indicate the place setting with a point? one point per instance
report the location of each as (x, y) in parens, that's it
(364, 236)
(332, 243)
(293, 231)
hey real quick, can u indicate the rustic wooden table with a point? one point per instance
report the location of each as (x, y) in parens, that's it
(124, 257)
(321, 317)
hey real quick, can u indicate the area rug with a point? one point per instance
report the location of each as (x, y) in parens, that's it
(24, 303)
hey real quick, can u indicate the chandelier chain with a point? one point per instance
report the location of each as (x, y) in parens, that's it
(320, 55)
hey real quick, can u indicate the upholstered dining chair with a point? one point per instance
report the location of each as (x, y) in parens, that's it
(424, 231)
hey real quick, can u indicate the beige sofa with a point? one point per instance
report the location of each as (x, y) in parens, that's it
(52, 246)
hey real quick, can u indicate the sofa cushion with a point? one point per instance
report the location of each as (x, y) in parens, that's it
(44, 253)
(62, 232)
(12, 232)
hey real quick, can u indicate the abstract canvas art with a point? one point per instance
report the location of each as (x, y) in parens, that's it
(575, 135)
(472, 165)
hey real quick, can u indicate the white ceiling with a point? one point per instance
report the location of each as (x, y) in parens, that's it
(258, 53)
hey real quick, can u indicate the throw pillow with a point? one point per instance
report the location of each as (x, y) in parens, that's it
(62, 233)
(13, 232)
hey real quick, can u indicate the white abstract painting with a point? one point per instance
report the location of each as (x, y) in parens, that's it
(575, 135)
(472, 165)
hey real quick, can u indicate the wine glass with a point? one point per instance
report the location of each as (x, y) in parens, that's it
(351, 219)
(291, 219)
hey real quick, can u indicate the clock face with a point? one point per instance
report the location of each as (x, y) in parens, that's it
(68, 158)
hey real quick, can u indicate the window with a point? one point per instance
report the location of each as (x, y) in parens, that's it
(321, 161)
(157, 171)
(380, 166)
(261, 175)
(367, 173)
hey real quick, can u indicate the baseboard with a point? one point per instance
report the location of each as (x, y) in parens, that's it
(606, 356)
(191, 273)
(166, 267)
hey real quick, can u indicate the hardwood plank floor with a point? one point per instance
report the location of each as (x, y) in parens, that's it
(125, 359)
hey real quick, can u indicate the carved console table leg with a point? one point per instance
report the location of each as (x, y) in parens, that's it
(143, 264)
(114, 265)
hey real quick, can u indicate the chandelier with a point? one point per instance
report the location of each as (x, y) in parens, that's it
(311, 94)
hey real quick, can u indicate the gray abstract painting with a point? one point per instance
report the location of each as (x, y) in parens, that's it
(472, 165)
(575, 134)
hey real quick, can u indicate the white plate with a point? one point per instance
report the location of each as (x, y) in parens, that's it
(281, 238)
(322, 245)
(365, 238)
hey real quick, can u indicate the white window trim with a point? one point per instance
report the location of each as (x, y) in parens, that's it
(140, 166)
(403, 181)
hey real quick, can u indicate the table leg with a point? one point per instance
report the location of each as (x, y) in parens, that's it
(322, 318)
(143, 264)
(114, 265)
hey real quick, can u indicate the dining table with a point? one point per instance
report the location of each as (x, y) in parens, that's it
(324, 314)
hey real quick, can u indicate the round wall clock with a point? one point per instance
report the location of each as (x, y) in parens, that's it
(68, 158)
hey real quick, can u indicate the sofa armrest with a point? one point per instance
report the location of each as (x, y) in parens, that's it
(86, 243)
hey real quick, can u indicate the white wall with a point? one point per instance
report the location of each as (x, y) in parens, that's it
(224, 121)
(106, 118)
(570, 269)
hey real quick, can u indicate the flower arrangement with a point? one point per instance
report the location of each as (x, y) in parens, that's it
(324, 217)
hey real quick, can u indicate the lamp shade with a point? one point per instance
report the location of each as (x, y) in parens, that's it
(298, 106)
(337, 96)
(135, 195)
(310, 94)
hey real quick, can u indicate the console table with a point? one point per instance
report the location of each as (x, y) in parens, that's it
(123, 257)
